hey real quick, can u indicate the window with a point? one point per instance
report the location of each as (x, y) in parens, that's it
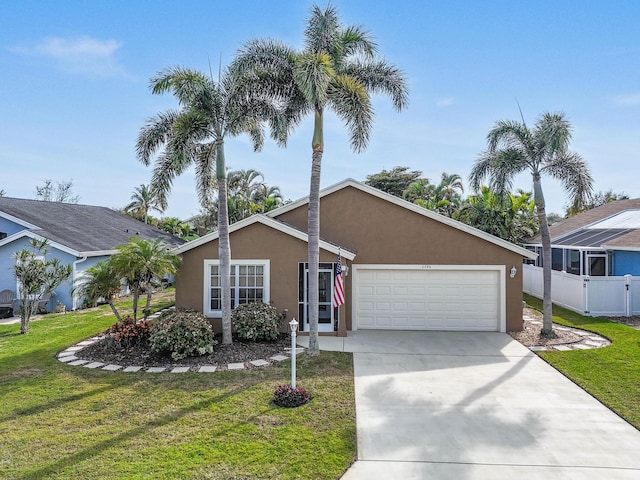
(556, 259)
(249, 283)
(573, 261)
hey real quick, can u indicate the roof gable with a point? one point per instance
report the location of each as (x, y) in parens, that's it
(408, 206)
(83, 229)
(271, 223)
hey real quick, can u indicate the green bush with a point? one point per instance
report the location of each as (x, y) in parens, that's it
(256, 321)
(182, 334)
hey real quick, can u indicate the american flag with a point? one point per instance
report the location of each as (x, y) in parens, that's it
(338, 290)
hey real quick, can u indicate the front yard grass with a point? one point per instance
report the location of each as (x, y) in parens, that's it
(611, 374)
(61, 422)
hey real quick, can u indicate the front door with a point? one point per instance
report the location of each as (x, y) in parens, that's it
(325, 295)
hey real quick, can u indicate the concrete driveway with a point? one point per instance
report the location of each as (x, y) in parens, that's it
(448, 405)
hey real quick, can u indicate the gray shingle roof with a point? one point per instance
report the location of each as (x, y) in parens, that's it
(84, 228)
(561, 229)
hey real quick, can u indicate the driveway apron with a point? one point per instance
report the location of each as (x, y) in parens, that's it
(459, 405)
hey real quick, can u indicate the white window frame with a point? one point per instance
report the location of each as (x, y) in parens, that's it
(206, 306)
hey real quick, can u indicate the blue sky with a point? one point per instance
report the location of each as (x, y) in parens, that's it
(74, 87)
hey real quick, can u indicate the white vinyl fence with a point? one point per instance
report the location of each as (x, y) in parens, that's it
(610, 296)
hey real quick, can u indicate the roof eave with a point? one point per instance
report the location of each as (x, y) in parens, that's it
(409, 206)
(272, 223)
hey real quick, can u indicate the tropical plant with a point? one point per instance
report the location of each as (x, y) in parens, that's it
(176, 227)
(100, 282)
(139, 262)
(194, 135)
(510, 217)
(444, 198)
(143, 200)
(337, 70)
(513, 148)
(36, 275)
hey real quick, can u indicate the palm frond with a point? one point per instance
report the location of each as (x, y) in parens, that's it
(355, 40)
(380, 77)
(322, 30)
(553, 130)
(184, 83)
(154, 134)
(313, 73)
(350, 101)
(573, 172)
(204, 167)
(508, 134)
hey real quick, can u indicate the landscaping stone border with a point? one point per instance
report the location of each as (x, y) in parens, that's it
(73, 356)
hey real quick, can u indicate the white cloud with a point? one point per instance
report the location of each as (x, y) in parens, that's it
(80, 55)
(630, 99)
(446, 102)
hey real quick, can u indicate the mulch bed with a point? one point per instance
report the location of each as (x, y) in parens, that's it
(530, 335)
(141, 355)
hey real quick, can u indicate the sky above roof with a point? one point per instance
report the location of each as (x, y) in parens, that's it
(75, 88)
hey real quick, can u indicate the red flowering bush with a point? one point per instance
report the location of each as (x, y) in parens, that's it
(128, 332)
(288, 397)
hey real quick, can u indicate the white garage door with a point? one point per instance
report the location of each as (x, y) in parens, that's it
(427, 299)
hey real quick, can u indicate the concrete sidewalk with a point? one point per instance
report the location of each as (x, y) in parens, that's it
(448, 405)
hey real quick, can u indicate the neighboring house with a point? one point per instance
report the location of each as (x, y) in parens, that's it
(408, 268)
(78, 235)
(595, 258)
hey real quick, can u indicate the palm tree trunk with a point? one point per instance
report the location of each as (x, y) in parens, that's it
(136, 295)
(224, 245)
(147, 307)
(547, 311)
(313, 230)
(114, 309)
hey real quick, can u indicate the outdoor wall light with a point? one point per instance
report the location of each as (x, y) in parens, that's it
(345, 270)
(513, 271)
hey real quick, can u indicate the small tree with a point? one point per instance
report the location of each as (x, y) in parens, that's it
(141, 261)
(62, 191)
(101, 281)
(36, 275)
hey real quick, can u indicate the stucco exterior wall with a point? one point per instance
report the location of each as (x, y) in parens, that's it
(257, 242)
(380, 232)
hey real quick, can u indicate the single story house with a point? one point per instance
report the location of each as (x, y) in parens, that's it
(78, 235)
(595, 258)
(407, 268)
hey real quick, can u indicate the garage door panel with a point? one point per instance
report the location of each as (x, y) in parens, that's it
(417, 299)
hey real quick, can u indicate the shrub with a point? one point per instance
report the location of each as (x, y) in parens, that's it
(128, 332)
(256, 321)
(288, 397)
(182, 334)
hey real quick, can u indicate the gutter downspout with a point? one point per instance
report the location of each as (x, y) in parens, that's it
(74, 298)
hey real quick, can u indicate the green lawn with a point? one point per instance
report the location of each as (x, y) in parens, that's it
(611, 374)
(59, 421)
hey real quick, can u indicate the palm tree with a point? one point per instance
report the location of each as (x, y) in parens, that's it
(194, 135)
(140, 262)
(143, 200)
(337, 70)
(513, 148)
(508, 216)
(100, 281)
